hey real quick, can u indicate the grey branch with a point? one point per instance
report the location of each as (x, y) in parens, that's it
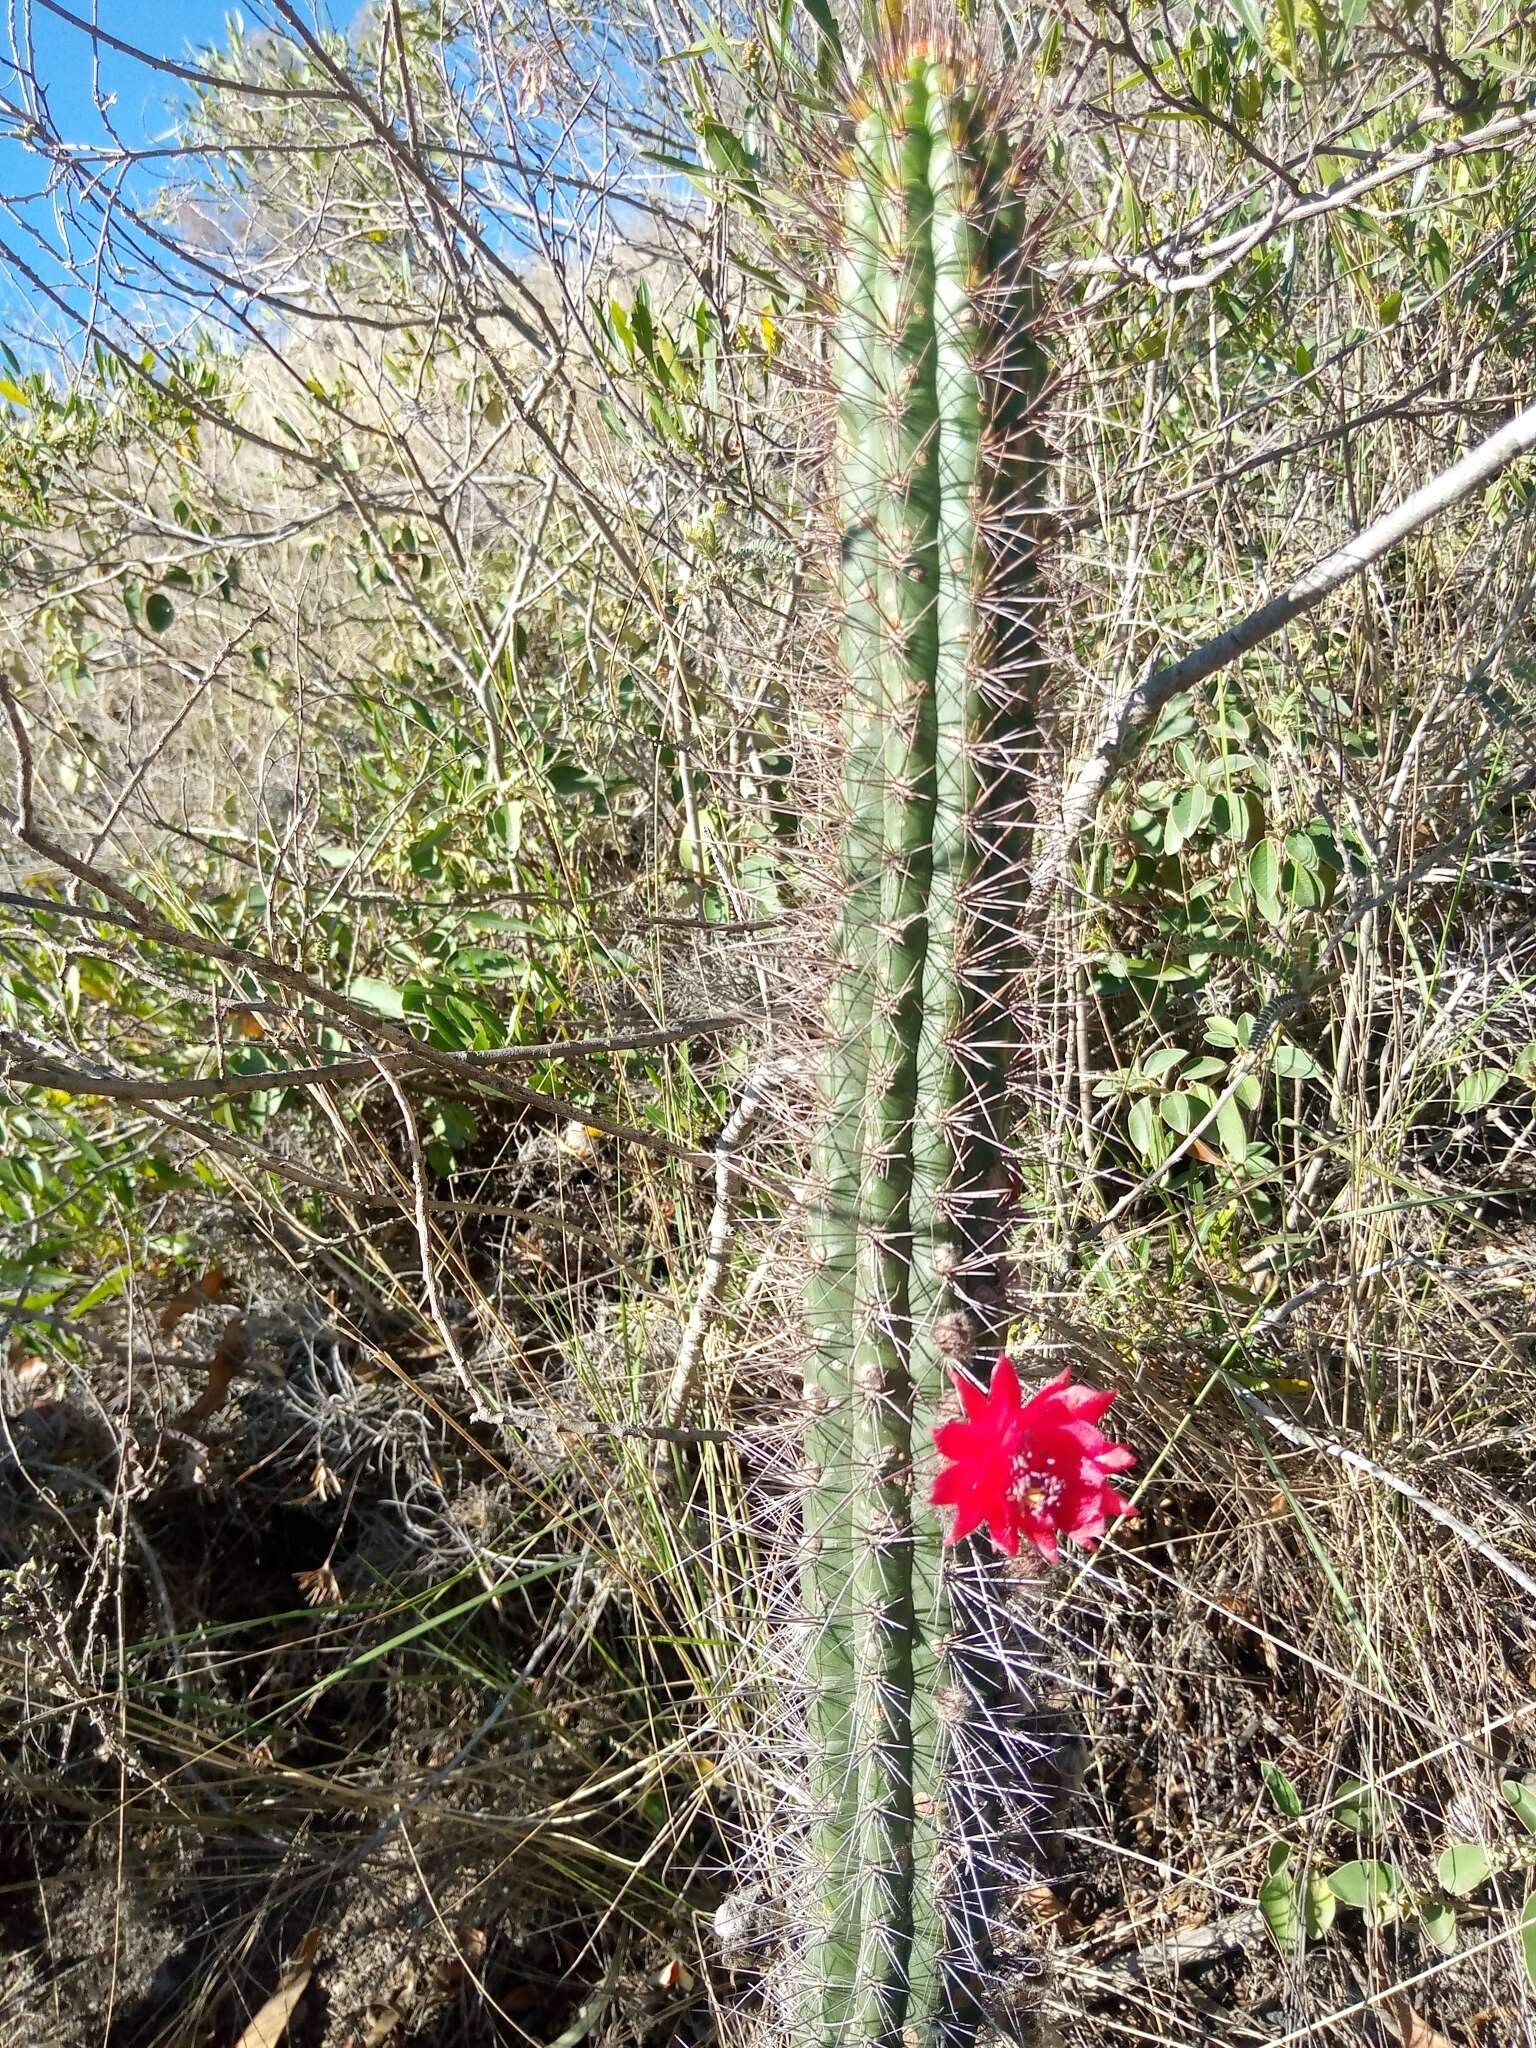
(28, 1065)
(717, 1253)
(1133, 718)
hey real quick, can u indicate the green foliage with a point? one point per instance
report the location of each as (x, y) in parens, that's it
(669, 365)
(1204, 881)
(1301, 1902)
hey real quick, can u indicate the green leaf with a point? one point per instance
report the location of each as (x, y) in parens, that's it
(1356, 1806)
(1521, 1801)
(1437, 1917)
(1157, 1066)
(1301, 848)
(159, 612)
(1463, 1867)
(1293, 1063)
(376, 995)
(1187, 813)
(1287, 1799)
(1176, 721)
(13, 391)
(826, 26)
(1181, 1112)
(1146, 1131)
(106, 1289)
(1368, 1886)
(1232, 1132)
(1321, 1905)
(1277, 1902)
(729, 154)
(1302, 886)
(1477, 1089)
(1528, 1936)
(1205, 1069)
(1264, 870)
(1525, 1065)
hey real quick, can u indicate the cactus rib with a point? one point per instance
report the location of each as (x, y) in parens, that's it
(906, 527)
(837, 1161)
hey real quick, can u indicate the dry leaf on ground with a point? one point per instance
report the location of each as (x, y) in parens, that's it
(1413, 2030)
(214, 1285)
(222, 1367)
(271, 2023)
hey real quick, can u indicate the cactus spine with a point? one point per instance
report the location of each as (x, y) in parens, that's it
(938, 371)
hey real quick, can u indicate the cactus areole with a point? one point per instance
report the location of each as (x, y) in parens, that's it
(939, 373)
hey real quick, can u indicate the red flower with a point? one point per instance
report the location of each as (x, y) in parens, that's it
(1037, 1468)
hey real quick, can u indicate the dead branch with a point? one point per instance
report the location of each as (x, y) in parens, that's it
(1132, 719)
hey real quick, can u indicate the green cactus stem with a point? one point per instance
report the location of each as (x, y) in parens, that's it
(938, 373)
(837, 1161)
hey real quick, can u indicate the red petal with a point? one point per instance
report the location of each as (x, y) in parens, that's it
(1089, 1441)
(1090, 1522)
(1080, 1404)
(1114, 1458)
(1004, 1393)
(968, 1516)
(959, 1439)
(950, 1486)
(974, 1397)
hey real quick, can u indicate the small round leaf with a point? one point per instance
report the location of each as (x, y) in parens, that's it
(1180, 1112)
(1293, 1063)
(1368, 1886)
(1473, 1091)
(1463, 1867)
(1437, 1917)
(1282, 1916)
(1321, 1905)
(1147, 1132)
(1264, 870)
(1232, 1131)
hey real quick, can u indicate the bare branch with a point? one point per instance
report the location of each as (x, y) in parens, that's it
(1173, 271)
(1132, 719)
(32, 1066)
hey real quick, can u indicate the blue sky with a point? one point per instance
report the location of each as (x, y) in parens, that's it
(70, 69)
(73, 70)
(62, 56)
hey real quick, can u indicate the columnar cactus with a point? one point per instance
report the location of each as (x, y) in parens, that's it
(939, 372)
